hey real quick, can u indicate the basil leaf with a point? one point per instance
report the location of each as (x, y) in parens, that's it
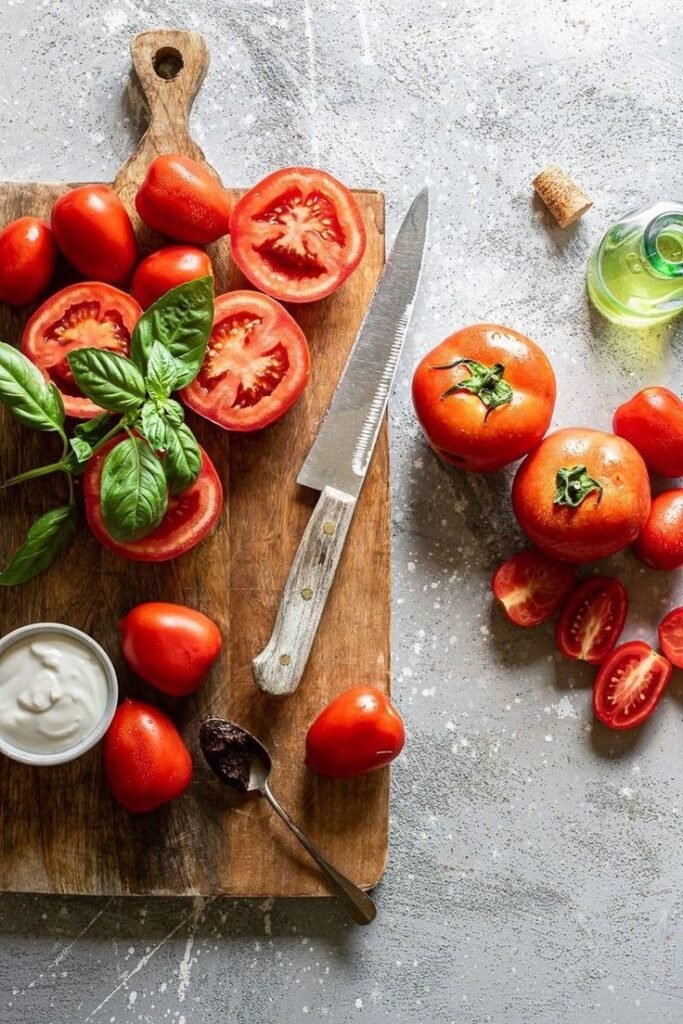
(153, 426)
(33, 401)
(81, 449)
(163, 371)
(133, 491)
(183, 458)
(45, 541)
(108, 379)
(95, 429)
(172, 412)
(181, 320)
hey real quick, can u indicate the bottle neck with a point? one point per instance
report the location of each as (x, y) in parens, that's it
(663, 245)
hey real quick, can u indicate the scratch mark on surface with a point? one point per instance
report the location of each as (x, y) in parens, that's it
(312, 82)
(367, 56)
(185, 966)
(63, 953)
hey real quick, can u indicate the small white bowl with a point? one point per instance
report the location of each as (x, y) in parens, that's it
(89, 741)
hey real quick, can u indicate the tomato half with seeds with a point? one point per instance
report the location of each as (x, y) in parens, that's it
(191, 516)
(671, 636)
(256, 366)
(629, 685)
(592, 619)
(531, 587)
(87, 315)
(298, 234)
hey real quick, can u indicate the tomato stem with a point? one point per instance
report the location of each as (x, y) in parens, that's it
(573, 485)
(486, 382)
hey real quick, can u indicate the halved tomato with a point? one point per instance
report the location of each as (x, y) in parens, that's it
(671, 636)
(531, 587)
(592, 619)
(86, 315)
(629, 685)
(256, 366)
(191, 516)
(298, 234)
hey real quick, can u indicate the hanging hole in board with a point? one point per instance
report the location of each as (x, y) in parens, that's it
(168, 63)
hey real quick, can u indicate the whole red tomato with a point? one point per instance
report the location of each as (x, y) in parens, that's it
(653, 422)
(95, 233)
(582, 494)
(484, 397)
(183, 200)
(146, 762)
(167, 268)
(358, 732)
(660, 544)
(170, 646)
(27, 260)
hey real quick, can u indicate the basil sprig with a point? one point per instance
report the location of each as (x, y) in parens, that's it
(181, 320)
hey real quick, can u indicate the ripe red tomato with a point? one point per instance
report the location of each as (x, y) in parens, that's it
(170, 646)
(256, 367)
(629, 685)
(167, 268)
(191, 516)
(484, 397)
(653, 422)
(87, 315)
(582, 494)
(146, 762)
(531, 587)
(357, 732)
(27, 260)
(660, 544)
(592, 619)
(181, 199)
(95, 233)
(298, 234)
(671, 636)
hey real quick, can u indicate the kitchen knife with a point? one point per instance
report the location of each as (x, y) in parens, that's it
(338, 460)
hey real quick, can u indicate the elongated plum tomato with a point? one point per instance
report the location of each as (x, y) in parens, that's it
(358, 732)
(298, 234)
(671, 636)
(181, 199)
(629, 685)
(484, 397)
(660, 543)
(653, 422)
(191, 516)
(87, 315)
(582, 494)
(592, 619)
(94, 231)
(27, 260)
(256, 366)
(531, 587)
(167, 268)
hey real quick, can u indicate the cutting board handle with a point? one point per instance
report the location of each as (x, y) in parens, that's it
(171, 65)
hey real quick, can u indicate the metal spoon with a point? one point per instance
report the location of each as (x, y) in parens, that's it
(238, 759)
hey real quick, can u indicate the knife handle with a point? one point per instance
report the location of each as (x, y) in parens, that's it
(280, 666)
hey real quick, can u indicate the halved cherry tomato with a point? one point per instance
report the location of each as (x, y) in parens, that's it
(531, 587)
(94, 231)
(87, 315)
(298, 234)
(592, 619)
(671, 636)
(167, 268)
(27, 260)
(653, 422)
(256, 367)
(358, 732)
(191, 516)
(660, 543)
(180, 198)
(629, 685)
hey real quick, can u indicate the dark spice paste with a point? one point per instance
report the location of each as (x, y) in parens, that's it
(229, 751)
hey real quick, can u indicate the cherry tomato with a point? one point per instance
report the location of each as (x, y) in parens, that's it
(167, 268)
(531, 587)
(671, 636)
(629, 685)
(146, 762)
(183, 200)
(95, 233)
(298, 234)
(653, 422)
(27, 260)
(191, 516)
(582, 494)
(256, 366)
(660, 544)
(87, 315)
(170, 646)
(358, 732)
(592, 619)
(484, 397)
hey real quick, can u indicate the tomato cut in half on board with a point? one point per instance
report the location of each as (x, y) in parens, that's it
(87, 315)
(671, 636)
(298, 234)
(191, 516)
(629, 685)
(531, 587)
(256, 365)
(592, 619)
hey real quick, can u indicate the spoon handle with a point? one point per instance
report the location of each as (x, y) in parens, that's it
(355, 902)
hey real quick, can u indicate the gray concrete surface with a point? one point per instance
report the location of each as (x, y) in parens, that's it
(535, 862)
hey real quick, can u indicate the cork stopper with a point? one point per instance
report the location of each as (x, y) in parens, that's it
(564, 198)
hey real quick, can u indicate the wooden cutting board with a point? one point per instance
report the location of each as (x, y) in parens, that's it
(61, 831)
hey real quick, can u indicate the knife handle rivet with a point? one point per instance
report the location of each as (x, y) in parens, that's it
(329, 528)
(285, 659)
(307, 593)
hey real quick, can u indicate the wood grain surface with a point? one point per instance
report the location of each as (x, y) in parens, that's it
(61, 831)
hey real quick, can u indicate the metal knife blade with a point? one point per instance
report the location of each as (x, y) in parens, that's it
(340, 454)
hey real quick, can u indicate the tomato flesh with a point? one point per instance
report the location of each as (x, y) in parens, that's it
(671, 636)
(592, 620)
(531, 587)
(629, 685)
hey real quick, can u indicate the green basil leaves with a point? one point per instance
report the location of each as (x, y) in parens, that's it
(181, 321)
(133, 491)
(46, 540)
(23, 389)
